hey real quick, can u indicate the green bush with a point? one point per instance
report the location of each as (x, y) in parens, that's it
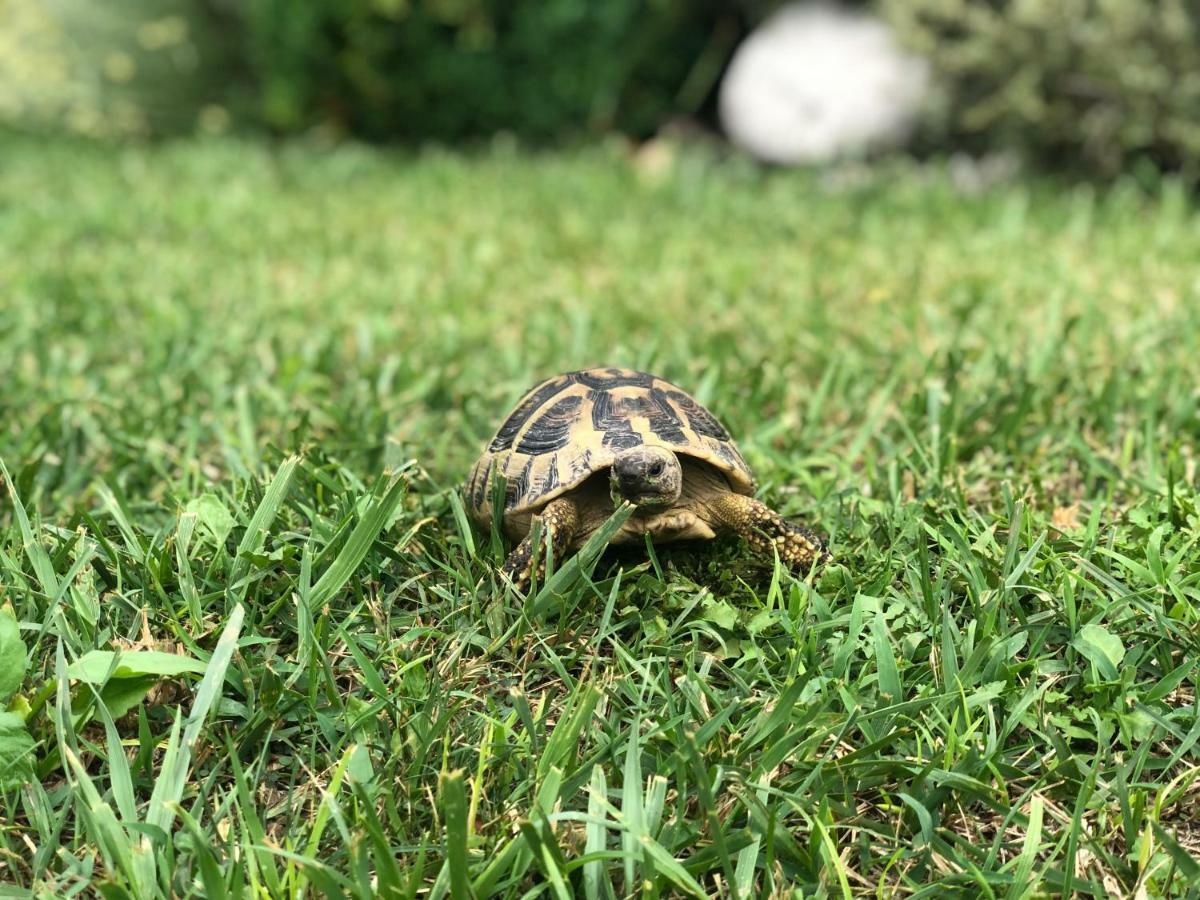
(450, 69)
(380, 69)
(1098, 82)
(116, 68)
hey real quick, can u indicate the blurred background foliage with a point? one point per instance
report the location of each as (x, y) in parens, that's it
(117, 68)
(455, 69)
(1097, 84)
(1105, 83)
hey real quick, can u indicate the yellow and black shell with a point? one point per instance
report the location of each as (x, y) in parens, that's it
(573, 425)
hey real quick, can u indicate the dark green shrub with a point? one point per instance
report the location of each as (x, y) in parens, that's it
(1097, 82)
(450, 69)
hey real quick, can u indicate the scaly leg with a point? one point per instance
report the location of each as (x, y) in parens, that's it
(559, 519)
(763, 528)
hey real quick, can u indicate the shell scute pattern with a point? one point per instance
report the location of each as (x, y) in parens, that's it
(664, 421)
(550, 479)
(602, 379)
(550, 430)
(612, 421)
(478, 483)
(700, 419)
(570, 426)
(517, 488)
(519, 416)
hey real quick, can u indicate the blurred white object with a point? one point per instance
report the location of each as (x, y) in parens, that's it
(815, 82)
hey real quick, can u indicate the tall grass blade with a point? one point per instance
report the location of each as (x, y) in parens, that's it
(595, 881)
(260, 522)
(454, 809)
(373, 521)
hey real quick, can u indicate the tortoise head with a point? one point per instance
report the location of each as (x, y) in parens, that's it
(648, 477)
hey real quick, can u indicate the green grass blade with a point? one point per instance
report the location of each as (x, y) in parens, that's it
(670, 867)
(328, 799)
(1184, 861)
(833, 858)
(580, 563)
(43, 569)
(1022, 872)
(464, 526)
(540, 838)
(631, 805)
(376, 517)
(564, 740)
(210, 870)
(595, 882)
(265, 514)
(172, 779)
(885, 662)
(454, 810)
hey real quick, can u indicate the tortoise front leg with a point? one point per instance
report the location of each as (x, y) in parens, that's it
(764, 529)
(559, 520)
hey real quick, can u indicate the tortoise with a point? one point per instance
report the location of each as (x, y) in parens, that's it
(579, 443)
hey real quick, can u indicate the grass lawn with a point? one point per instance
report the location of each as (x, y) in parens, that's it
(240, 386)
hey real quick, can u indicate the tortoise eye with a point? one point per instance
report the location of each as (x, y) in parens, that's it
(656, 469)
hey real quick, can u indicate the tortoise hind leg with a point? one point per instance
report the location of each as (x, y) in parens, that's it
(559, 520)
(764, 529)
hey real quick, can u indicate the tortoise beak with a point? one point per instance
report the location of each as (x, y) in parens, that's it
(628, 483)
(633, 490)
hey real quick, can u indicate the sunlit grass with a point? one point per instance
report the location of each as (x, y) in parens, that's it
(240, 386)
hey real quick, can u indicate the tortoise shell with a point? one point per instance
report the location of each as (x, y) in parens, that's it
(573, 425)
